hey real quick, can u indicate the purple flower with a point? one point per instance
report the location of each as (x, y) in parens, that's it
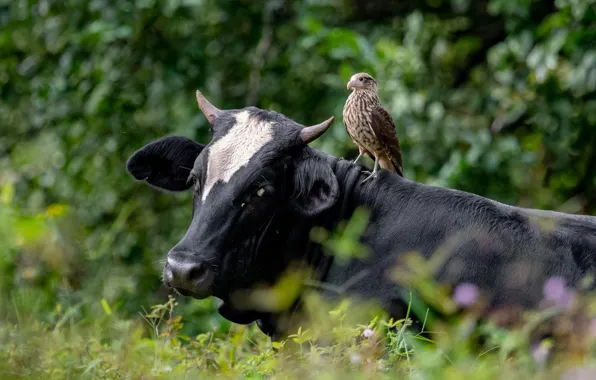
(465, 294)
(554, 288)
(541, 352)
(592, 328)
(556, 292)
(367, 333)
(567, 299)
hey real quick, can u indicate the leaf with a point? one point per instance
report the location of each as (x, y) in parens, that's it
(106, 306)
(7, 194)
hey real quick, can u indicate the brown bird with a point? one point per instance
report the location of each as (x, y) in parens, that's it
(370, 126)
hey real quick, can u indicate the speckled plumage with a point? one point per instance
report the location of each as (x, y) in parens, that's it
(370, 126)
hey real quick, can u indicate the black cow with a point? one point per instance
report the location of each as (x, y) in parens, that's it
(259, 189)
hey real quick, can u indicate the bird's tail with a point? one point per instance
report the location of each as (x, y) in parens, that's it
(393, 165)
(398, 165)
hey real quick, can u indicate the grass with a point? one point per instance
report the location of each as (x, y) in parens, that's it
(334, 346)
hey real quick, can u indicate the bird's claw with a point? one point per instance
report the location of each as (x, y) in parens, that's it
(373, 174)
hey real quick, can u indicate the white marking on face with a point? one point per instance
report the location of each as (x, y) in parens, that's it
(260, 192)
(233, 151)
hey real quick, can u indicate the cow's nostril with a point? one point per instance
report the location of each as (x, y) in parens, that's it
(197, 272)
(188, 276)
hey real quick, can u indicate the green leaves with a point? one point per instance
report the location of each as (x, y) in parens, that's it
(344, 242)
(500, 105)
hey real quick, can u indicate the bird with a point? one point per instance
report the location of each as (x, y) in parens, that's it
(370, 126)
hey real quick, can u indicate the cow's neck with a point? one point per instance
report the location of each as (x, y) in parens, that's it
(353, 194)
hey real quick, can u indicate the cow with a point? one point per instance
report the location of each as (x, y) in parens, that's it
(259, 189)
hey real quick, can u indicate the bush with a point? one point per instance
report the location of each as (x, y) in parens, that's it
(493, 97)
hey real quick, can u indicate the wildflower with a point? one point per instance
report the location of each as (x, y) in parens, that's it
(465, 294)
(554, 288)
(592, 328)
(556, 292)
(355, 358)
(567, 299)
(367, 333)
(541, 351)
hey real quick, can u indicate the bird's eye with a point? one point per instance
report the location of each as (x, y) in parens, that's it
(361, 79)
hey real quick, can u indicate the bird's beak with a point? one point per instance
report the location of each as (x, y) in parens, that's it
(349, 86)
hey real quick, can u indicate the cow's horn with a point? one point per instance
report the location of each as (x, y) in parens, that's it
(309, 134)
(208, 109)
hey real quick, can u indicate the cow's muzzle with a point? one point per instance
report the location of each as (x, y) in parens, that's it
(188, 275)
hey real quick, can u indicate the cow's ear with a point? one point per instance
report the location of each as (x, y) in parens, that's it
(165, 163)
(315, 187)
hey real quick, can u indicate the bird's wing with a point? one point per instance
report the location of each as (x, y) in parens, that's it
(384, 129)
(355, 138)
(348, 131)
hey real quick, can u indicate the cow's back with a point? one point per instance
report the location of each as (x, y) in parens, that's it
(509, 252)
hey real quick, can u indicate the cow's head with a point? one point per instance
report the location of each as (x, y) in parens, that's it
(257, 166)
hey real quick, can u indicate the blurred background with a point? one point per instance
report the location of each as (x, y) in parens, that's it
(493, 97)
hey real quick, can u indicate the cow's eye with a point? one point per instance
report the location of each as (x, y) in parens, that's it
(260, 193)
(264, 191)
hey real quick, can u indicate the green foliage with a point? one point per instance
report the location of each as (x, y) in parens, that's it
(494, 97)
(338, 341)
(343, 243)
